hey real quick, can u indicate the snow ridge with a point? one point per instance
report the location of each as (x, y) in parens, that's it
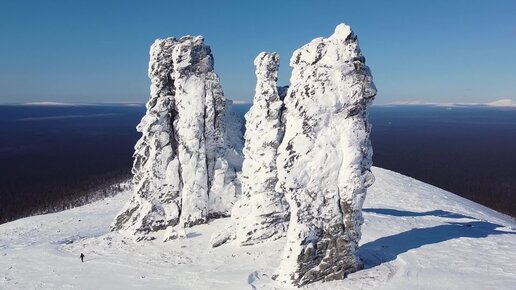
(262, 212)
(185, 167)
(325, 158)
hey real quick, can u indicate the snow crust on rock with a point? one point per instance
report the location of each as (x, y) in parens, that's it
(324, 159)
(185, 166)
(262, 212)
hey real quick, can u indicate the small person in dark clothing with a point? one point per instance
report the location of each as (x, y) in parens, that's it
(82, 257)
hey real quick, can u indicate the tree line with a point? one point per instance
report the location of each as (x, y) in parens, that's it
(24, 198)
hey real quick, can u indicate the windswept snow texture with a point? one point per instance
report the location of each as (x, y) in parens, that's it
(415, 236)
(325, 158)
(262, 212)
(185, 164)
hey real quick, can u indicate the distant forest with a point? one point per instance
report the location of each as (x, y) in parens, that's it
(493, 189)
(58, 195)
(467, 151)
(55, 164)
(55, 158)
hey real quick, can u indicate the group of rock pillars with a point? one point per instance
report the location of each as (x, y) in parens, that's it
(300, 172)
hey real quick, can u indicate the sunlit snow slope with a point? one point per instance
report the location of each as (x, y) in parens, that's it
(415, 236)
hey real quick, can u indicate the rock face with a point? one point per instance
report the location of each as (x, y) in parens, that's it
(262, 212)
(324, 159)
(185, 163)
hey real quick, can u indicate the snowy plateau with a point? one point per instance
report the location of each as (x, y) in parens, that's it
(414, 236)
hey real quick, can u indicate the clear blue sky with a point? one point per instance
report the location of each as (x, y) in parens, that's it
(94, 51)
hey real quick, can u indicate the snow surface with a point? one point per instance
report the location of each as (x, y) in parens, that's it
(415, 236)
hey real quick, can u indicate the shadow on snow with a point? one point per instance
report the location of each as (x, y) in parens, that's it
(386, 249)
(404, 213)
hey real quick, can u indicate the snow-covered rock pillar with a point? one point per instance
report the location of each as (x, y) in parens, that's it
(325, 158)
(185, 167)
(262, 212)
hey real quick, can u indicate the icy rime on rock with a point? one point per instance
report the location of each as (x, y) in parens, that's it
(324, 159)
(262, 212)
(185, 166)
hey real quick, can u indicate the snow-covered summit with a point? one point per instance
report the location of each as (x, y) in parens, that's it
(342, 31)
(415, 236)
(502, 103)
